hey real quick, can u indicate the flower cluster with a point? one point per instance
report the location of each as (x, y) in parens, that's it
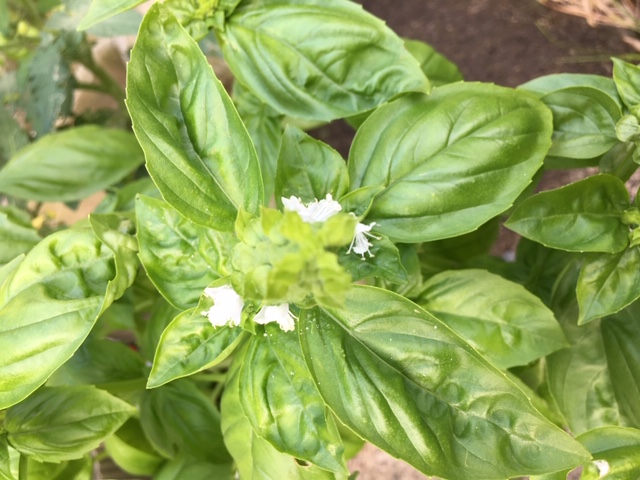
(227, 304)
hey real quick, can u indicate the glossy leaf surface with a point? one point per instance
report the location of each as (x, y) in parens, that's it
(71, 165)
(405, 382)
(582, 216)
(50, 302)
(197, 149)
(450, 161)
(627, 79)
(190, 344)
(282, 404)
(608, 283)
(100, 10)
(180, 257)
(309, 169)
(255, 457)
(317, 60)
(63, 423)
(501, 319)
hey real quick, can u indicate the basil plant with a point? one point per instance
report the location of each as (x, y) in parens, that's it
(256, 307)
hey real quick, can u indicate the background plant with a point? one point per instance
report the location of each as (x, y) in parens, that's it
(460, 363)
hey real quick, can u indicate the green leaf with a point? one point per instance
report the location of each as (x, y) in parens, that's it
(551, 83)
(17, 235)
(585, 216)
(501, 319)
(198, 152)
(9, 460)
(608, 283)
(383, 262)
(584, 122)
(627, 79)
(403, 381)
(484, 145)
(317, 60)
(71, 165)
(131, 451)
(50, 302)
(438, 69)
(64, 423)
(100, 10)
(162, 313)
(191, 344)
(282, 403)
(255, 457)
(616, 453)
(180, 257)
(309, 169)
(186, 467)
(264, 125)
(179, 418)
(99, 362)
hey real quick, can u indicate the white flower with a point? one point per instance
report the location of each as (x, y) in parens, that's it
(314, 212)
(227, 306)
(602, 466)
(276, 313)
(360, 244)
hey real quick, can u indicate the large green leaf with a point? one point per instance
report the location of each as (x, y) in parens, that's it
(501, 319)
(582, 216)
(317, 60)
(50, 302)
(405, 382)
(255, 457)
(63, 423)
(17, 235)
(584, 122)
(71, 165)
(180, 257)
(191, 344)
(282, 403)
(627, 80)
(179, 418)
(450, 161)
(309, 169)
(541, 86)
(198, 152)
(608, 283)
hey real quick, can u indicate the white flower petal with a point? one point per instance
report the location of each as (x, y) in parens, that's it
(360, 244)
(227, 306)
(277, 313)
(314, 212)
(602, 466)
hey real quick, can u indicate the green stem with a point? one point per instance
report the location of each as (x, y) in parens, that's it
(109, 85)
(627, 167)
(24, 463)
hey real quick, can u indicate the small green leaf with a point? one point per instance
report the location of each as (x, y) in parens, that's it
(198, 152)
(283, 405)
(484, 145)
(616, 453)
(52, 299)
(255, 457)
(608, 283)
(317, 60)
(627, 128)
(438, 69)
(17, 235)
(584, 216)
(405, 382)
(501, 319)
(383, 262)
(627, 79)
(64, 423)
(191, 344)
(179, 418)
(131, 451)
(541, 86)
(309, 169)
(71, 165)
(185, 466)
(180, 257)
(100, 10)
(584, 122)
(9, 459)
